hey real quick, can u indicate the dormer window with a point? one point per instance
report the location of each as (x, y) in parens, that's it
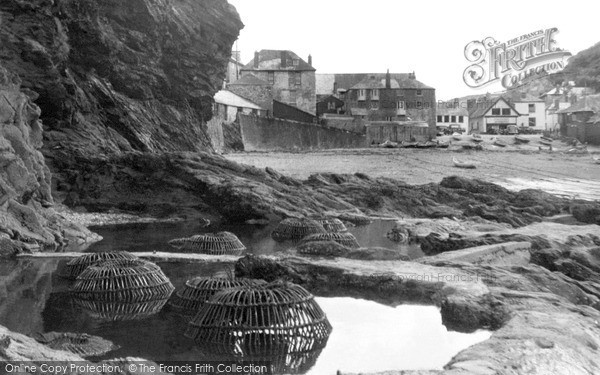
(419, 92)
(296, 62)
(375, 94)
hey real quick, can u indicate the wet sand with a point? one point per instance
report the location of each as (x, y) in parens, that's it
(515, 166)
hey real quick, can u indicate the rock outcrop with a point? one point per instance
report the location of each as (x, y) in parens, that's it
(543, 321)
(27, 220)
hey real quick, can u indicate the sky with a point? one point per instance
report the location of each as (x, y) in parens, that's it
(427, 37)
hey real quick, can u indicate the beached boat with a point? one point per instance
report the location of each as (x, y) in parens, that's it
(464, 163)
(472, 146)
(547, 139)
(443, 144)
(427, 144)
(457, 136)
(500, 143)
(521, 139)
(596, 159)
(476, 138)
(545, 142)
(389, 144)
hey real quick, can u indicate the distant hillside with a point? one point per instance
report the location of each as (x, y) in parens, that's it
(583, 68)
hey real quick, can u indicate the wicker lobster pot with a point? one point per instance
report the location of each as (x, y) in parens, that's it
(123, 281)
(345, 239)
(332, 225)
(262, 318)
(199, 290)
(296, 229)
(221, 243)
(117, 311)
(81, 344)
(76, 266)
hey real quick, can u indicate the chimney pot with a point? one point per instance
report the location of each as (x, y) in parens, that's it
(310, 60)
(256, 56)
(388, 80)
(283, 57)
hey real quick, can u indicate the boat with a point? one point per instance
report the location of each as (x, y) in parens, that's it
(443, 144)
(464, 163)
(472, 146)
(427, 144)
(545, 142)
(596, 159)
(500, 143)
(457, 136)
(521, 139)
(547, 139)
(476, 138)
(388, 144)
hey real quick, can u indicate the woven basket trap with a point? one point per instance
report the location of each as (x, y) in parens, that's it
(76, 266)
(345, 239)
(296, 229)
(221, 243)
(333, 225)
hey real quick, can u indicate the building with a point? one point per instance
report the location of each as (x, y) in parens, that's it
(581, 120)
(234, 67)
(228, 105)
(562, 97)
(290, 112)
(291, 78)
(532, 110)
(330, 104)
(255, 90)
(491, 115)
(382, 97)
(447, 114)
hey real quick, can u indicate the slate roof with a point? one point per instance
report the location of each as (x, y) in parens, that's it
(250, 80)
(346, 81)
(590, 103)
(226, 97)
(480, 110)
(270, 59)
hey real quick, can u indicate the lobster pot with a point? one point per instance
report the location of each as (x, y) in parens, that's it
(199, 289)
(332, 225)
(261, 317)
(221, 243)
(296, 229)
(76, 266)
(123, 281)
(295, 357)
(81, 344)
(345, 239)
(118, 311)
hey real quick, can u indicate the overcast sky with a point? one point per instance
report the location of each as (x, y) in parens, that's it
(428, 37)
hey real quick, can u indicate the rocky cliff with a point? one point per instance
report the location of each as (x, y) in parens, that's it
(27, 220)
(117, 76)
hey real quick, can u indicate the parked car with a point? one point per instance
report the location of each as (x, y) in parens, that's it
(455, 128)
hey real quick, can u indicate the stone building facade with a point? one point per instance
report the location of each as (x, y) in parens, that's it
(292, 79)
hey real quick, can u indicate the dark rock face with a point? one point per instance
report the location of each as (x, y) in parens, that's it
(117, 76)
(26, 221)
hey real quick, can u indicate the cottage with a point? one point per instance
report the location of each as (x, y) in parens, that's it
(582, 120)
(228, 105)
(492, 115)
(329, 104)
(292, 79)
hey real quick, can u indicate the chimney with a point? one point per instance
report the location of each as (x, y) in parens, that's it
(256, 56)
(310, 60)
(412, 75)
(388, 80)
(284, 59)
(335, 84)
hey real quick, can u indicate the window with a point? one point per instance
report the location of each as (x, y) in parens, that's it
(505, 111)
(496, 111)
(446, 118)
(419, 105)
(532, 108)
(296, 62)
(271, 78)
(419, 92)
(374, 105)
(400, 105)
(439, 118)
(331, 105)
(453, 119)
(298, 79)
(532, 121)
(361, 94)
(461, 119)
(292, 79)
(240, 109)
(426, 104)
(374, 94)
(293, 96)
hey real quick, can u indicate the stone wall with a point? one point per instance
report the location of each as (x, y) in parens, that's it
(381, 131)
(264, 134)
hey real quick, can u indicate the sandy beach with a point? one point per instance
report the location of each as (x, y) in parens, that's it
(559, 171)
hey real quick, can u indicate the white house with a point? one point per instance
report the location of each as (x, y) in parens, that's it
(492, 115)
(448, 115)
(227, 105)
(532, 111)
